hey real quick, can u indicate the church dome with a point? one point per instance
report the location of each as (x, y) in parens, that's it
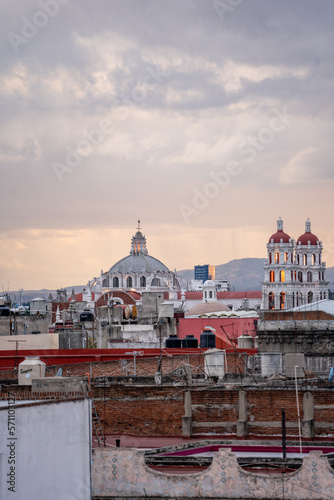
(307, 237)
(141, 264)
(207, 307)
(280, 236)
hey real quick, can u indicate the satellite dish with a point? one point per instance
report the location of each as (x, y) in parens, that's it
(331, 374)
(59, 372)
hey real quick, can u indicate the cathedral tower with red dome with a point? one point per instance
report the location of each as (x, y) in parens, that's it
(294, 273)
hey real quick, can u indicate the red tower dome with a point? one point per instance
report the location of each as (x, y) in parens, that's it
(280, 236)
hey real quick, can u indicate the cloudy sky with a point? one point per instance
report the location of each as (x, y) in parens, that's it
(206, 119)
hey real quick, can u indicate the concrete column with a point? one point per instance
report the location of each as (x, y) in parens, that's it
(187, 420)
(242, 420)
(308, 417)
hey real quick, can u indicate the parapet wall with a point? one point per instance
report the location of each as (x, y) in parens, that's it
(121, 473)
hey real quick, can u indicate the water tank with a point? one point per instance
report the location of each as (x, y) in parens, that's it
(31, 368)
(173, 342)
(271, 363)
(190, 342)
(214, 363)
(207, 339)
(245, 342)
(86, 315)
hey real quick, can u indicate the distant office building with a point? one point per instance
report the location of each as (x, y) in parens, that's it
(204, 273)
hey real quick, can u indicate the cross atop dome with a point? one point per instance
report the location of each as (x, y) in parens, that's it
(138, 228)
(307, 226)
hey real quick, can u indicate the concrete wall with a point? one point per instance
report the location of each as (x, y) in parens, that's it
(121, 473)
(23, 324)
(41, 341)
(51, 451)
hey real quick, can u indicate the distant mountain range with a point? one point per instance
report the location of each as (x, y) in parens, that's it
(243, 274)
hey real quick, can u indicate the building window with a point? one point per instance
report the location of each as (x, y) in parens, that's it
(291, 275)
(129, 282)
(305, 259)
(210, 294)
(282, 276)
(293, 299)
(271, 301)
(324, 295)
(115, 282)
(272, 276)
(300, 276)
(314, 259)
(297, 299)
(310, 297)
(276, 257)
(282, 300)
(143, 282)
(269, 257)
(286, 257)
(323, 276)
(309, 276)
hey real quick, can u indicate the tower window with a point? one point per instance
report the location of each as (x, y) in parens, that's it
(269, 257)
(286, 257)
(282, 300)
(282, 276)
(309, 277)
(129, 282)
(314, 259)
(271, 301)
(300, 277)
(115, 282)
(272, 276)
(310, 297)
(276, 257)
(305, 259)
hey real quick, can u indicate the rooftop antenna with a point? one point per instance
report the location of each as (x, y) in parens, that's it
(138, 228)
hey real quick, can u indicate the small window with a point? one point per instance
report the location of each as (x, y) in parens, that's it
(115, 282)
(272, 276)
(282, 276)
(276, 257)
(129, 282)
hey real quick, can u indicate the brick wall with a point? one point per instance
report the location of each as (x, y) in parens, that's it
(140, 410)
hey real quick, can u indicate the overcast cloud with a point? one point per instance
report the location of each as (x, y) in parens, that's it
(206, 119)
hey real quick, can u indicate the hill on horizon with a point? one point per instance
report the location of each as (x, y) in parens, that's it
(244, 275)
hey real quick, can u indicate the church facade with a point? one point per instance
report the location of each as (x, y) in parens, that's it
(294, 273)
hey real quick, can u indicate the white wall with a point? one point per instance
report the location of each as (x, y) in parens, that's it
(52, 451)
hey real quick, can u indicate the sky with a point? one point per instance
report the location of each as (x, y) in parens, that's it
(205, 119)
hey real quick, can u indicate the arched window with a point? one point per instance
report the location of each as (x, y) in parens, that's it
(314, 259)
(276, 257)
(324, 295)
(291, 275)
(129, 282)
(291, 258)
(305, 259)
(319, 275)
(310, 297)
(281, 300)
(205, 293)
(272, 277)
(210, 294)
(293, 299)
(309, 276)
(269, 257)
(105, 283)
(300, 276)
(286, 257)
(143, 282)
(282, 276)
(298, 258)
(323, 276)
(115, 282)
(271, 301)
(297, 299)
